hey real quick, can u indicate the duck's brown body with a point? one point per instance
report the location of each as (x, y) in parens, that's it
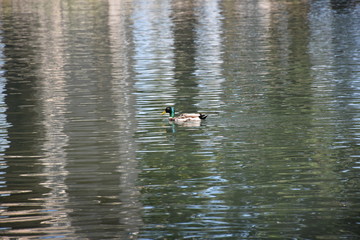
(185, 117)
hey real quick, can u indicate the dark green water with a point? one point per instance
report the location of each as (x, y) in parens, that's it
(85, 153)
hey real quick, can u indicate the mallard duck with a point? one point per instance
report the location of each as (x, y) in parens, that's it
(184, 117)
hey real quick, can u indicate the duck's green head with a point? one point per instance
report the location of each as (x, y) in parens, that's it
(170, 110)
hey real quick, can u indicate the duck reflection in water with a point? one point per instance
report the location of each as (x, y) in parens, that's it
(174, 127)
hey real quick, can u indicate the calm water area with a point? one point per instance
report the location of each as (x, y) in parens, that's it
(86, 154)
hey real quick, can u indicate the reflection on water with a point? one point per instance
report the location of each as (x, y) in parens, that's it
(54, 94)
(85, 153)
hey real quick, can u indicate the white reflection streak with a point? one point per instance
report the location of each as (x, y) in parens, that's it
(321, 50)
(209, 54)
(53, 97)
(209, 61)
(154, 50)
(125, 118)
(4, 143)
(330, 42)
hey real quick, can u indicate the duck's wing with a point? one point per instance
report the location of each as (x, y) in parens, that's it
(194, 115)
(190, 115)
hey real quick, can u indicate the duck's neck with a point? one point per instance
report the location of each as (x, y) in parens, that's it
(172, 113)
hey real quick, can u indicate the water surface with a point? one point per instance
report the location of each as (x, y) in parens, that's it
(85, 153)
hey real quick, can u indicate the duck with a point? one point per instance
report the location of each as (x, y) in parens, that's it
(184, 117)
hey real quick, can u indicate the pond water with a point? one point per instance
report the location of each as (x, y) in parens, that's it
(85, 153)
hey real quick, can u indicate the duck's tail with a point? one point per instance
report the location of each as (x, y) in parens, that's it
(202, 116)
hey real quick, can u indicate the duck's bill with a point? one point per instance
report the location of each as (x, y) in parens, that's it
(163, 112)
